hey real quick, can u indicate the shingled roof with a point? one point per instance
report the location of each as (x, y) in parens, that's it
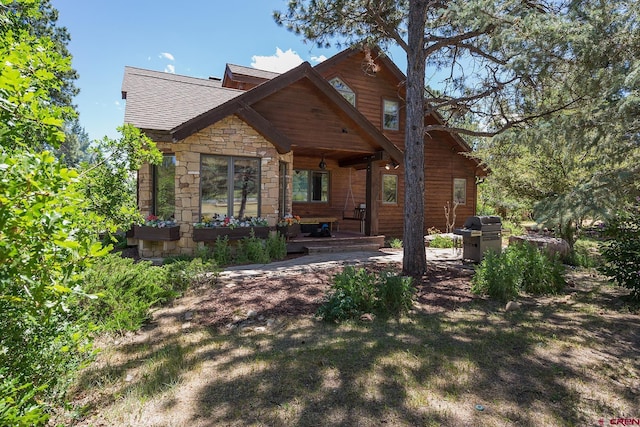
(161, 101)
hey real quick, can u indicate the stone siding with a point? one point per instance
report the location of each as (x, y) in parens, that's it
(228, 137)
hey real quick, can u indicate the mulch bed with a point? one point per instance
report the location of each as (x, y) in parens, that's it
(256, 300)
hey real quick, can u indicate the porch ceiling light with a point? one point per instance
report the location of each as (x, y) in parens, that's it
(392, 165)
(322, 165)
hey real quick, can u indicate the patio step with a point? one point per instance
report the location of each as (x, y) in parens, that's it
(359, 247)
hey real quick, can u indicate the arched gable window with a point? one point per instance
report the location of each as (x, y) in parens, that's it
(344, 90)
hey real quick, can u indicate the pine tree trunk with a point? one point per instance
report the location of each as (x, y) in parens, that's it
(414, 261)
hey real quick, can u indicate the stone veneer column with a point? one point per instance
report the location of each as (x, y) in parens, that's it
(229, 137)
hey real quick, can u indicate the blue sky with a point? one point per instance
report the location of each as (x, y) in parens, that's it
(194, 38)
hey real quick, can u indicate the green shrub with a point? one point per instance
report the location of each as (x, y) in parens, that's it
(441, 242)
(18, 404)
(621, 252)
(252, 250)
(356, 292)
(222, 251)
(585, 253)
(513, 228)
(276, 247)
(395, 243)
(126, 291)
(394, 294)
(497, 276)
(181, 274)
(520, 267)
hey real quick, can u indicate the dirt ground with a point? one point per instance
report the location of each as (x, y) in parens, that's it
(245, 349)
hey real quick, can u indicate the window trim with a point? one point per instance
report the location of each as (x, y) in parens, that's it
(397, 103)
(342, 92)
(310, 185)
(384, 201)
(230, 182)
(459, 183)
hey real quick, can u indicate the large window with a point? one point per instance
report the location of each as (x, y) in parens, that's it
(344, 90)
(389, 189)
(390, 114)
(230, 186)
(164, 187)
(310, 186)
(460, 191)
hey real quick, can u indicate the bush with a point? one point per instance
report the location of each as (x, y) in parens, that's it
(395, 243)
(441, 242)
(585, 253)
(252, 250)
(222, 251)
(276, 247)
(621, 252)
(18, 404)
(356, 292)
(127, 290)
(520, 267)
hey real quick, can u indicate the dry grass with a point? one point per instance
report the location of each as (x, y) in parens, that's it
(565, 360)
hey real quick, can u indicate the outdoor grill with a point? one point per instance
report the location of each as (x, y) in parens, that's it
(480, 234)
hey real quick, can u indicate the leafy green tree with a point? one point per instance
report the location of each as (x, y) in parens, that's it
(494, 53)
(107, 181)
(48, 233)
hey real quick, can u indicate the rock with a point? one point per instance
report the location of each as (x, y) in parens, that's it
(129, 378)
(367, 317)
(552, 245)
(512, 306)
(251, 314)
(188, 315)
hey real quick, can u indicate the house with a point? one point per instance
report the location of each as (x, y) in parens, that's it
(317, 142)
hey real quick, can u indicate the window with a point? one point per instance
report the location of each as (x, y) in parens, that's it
(310, 186)
(460, 191)
(344, 90)
(164, 187)
(230, 186)
(389, 189)
(390, 115)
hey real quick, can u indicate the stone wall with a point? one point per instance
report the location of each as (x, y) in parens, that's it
(228, 137)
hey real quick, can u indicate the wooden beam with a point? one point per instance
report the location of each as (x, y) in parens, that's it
(361, 161)
(264, 127)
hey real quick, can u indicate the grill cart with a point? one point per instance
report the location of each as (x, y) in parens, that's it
(480, 234)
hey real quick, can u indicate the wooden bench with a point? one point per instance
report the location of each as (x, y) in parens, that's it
(319, 220)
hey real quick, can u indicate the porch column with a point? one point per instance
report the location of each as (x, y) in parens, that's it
(373, 189)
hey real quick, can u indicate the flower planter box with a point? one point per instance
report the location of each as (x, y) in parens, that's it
(143, 232)
(289, 231)
(211, 234)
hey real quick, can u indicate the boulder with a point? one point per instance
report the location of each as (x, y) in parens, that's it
(552, 245)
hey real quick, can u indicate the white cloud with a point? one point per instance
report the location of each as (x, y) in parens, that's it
(317, 59)
(170, 68)
(279, 63)
(167, 55)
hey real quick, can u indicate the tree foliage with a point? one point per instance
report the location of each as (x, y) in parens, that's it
(48, 225)
(582, 163)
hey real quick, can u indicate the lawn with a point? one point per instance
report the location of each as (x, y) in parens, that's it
(455, 360)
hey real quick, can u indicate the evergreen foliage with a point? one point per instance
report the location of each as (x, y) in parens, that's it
(621, 251)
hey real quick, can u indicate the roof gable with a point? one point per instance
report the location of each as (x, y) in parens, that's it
(243, 106)
(240, 77)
